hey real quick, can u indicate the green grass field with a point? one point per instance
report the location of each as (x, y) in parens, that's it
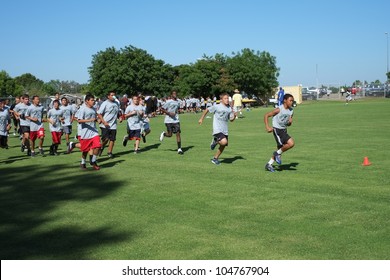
(320, 204)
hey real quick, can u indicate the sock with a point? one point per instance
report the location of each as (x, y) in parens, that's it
(279, 151)
(93, 158)
(82, 160)
(271, 161)
(90, 158)
(179, 145)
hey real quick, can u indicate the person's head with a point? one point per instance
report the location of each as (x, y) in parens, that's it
(224, 99)
(64, 101)
(17, 99)
(89, 100)
(288, 100)
(111, 95)
(2, 103)
(174, 94)
(35, 100)
(135, 100)
(25, 98)
(57, 96)
(56, 104)
(236, 91)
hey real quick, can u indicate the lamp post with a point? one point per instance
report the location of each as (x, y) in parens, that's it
(387, 62)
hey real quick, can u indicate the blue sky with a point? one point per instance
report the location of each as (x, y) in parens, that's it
(334, 42)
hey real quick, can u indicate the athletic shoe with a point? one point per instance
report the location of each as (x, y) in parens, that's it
(143, 138)
(29, 152)
(95, 166)
(70, 147)
(213, 144)
(51, 151)
(180, 151)
(22, 148)
(215, 161)
(162, 136)
(41, 152)
(110, 155)
(278, 158)
(83, 166)
(125, 139)
(269, 167)
(32, 153)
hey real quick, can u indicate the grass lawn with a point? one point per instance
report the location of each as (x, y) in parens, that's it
(320, 204)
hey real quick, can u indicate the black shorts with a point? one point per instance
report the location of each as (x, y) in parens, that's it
(219, 136)
(134, 134)
(109, 134)
(3, 141)
(281, 136)
(173, 127)
(25, 129)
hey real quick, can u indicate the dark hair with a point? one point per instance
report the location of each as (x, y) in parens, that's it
(287, 96)
(89, 96)
(25, 96)
(109, 92)
(63, 99)
(56, 101)
(223, 94)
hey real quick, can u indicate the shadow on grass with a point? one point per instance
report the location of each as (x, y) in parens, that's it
(290, 166)
(231, 160)
(184, 149)
(30, 227)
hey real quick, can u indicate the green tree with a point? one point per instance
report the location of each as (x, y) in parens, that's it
(30, 84)
(7, 84)
(254, 72)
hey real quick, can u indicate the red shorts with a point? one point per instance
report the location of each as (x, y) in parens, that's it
(56, 137)
(37, 134)
(89, 144)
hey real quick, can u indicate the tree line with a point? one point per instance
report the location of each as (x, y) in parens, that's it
(130, 70)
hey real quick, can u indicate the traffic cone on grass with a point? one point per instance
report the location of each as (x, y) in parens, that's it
(366, 162)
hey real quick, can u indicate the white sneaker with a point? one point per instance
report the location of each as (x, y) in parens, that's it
(180, 151)
(162, 136)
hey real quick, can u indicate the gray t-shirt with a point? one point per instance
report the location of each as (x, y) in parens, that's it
(88, 129)
(67, 114)
(222, 114)
(172, 106)
(5, 119)
(35, 112)
(55, 115)
(135, 121)
(281, 119)
(21, 109)
(109, 110)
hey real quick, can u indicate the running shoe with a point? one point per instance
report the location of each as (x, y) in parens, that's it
(83, 166)
(278, 158)
(269, 167)
(215, 161)
(125, 139)
(95, 166)
(180, 151)
(162, 136)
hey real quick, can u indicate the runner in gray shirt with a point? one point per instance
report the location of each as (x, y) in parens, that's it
(222, 114)
(34, 113)
(19, 112)
(134, 114)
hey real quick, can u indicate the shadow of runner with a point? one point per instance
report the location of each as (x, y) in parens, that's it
(231, 160)
(290, 166)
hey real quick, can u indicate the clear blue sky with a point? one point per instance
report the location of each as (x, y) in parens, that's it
(334, 41)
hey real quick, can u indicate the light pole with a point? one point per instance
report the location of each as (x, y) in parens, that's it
(387, 62)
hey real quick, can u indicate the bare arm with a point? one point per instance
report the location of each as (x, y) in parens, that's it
(268, 128)
(203, 115)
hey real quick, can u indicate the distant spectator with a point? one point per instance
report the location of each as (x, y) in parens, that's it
(280, 96)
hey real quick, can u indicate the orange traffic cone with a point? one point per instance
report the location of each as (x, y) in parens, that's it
(366, 162)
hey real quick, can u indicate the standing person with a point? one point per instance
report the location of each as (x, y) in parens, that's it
(68, 114)
(34, 113)
(56, 97)
(108, 115)
(5, 124)
(145, 125)
(134, 114)
(14, 118)
(222, 114)
(172, 122)
(282, 117)
(19, 112)
(55, 117)
(89, 135)
(237, 102)
(280, 96)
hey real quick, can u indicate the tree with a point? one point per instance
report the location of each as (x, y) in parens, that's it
(254, 72)
(30, 84)
(7, 84)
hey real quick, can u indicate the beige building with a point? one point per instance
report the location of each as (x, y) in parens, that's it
(295, 91)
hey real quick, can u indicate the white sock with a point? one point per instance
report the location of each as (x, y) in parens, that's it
(271, 161)
(93, 158)
(82, 160)
(279, 151)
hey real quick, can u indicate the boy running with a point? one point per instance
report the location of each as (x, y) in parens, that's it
(282, 117)
(68, 114)
(108, 115)
(134, 114)
(5, 124)
(19, 112)
(222, 113)
(55, 117)
(170, 109)
(89, 135)
(34, 114)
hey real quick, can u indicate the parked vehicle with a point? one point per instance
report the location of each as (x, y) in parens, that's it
(308, 94)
